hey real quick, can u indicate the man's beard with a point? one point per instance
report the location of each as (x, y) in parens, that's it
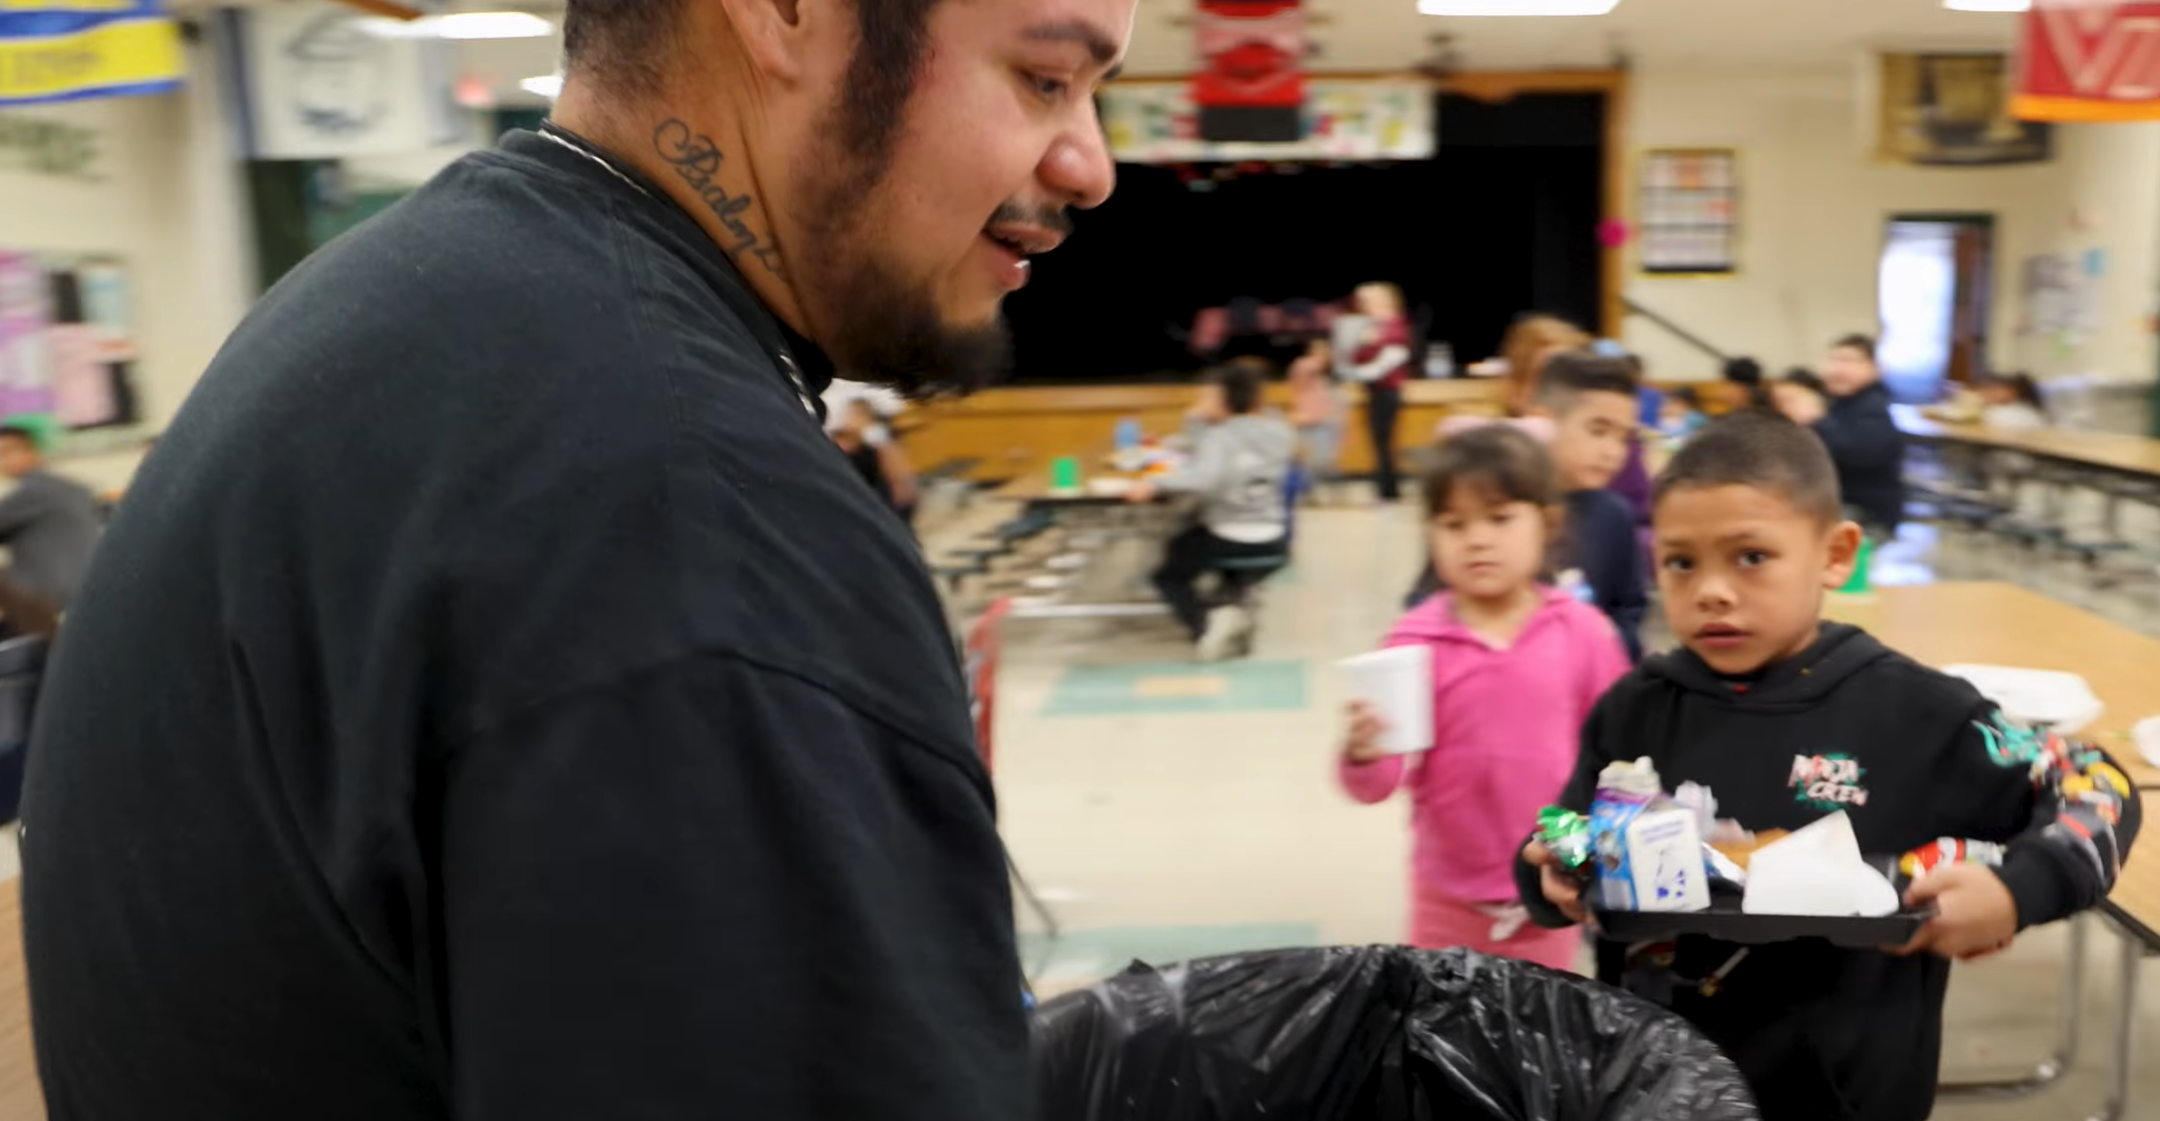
(879, 326)
(883, 329)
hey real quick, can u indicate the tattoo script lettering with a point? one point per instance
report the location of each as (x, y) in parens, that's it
(697, 159)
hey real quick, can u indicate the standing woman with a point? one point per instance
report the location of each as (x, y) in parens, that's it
(1382, 363)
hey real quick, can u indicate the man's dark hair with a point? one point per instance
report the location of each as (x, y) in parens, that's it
(626, 43)
(26, 435)
(1500, 461)
(1862, 343)
(1567, 377)
(1757, 449)
(1743, 371)
(1241, 382)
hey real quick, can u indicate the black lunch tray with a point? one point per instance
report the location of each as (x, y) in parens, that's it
(1727, 923)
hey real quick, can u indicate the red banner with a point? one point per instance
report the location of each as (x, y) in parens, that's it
(1251, 83)
(2089, 60)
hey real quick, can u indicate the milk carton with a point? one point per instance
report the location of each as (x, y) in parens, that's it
(1649, 848)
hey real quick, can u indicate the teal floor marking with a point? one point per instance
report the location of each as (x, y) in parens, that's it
(1179, 688)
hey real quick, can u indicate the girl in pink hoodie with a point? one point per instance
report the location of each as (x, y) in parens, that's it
(1517, 666)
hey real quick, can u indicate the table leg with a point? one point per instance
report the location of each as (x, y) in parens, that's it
(2120, 1054)
(2051, 1069)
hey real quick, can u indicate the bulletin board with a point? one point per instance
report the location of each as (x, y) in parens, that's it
(1688, 214)
(67, 342)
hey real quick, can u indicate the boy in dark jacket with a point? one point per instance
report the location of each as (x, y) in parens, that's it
(1786, 720)
(1591, 406)
(1854, 422)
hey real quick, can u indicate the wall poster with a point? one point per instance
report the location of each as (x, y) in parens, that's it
(67, 341)
(1688, 212)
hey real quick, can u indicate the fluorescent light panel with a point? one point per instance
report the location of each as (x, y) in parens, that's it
(546, 85)
(463, 25)
(1988, 5)
(1516, 7)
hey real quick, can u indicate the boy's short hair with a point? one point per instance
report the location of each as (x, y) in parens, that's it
(1568, 376)
(1758, 449)
(1688, 396)
(1806, 379)
(1865, 344)
(1241, 381)
(19, 432)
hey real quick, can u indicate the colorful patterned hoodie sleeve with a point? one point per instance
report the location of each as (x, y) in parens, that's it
(2084, 814)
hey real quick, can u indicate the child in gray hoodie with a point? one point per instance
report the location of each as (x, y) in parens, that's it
(1238, 471)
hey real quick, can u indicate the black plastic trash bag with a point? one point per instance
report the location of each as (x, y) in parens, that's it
(1373, 1034)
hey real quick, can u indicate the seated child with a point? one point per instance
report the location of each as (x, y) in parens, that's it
(1682, 414)
(869, 445)
(1238, 471)
(2011, 402)
(1516, 666)
(1763, 701)
(1589, 404)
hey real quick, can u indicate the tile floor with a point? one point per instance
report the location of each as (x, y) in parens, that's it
(1163, 810)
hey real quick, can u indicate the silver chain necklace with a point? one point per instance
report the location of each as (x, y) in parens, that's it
(552, 131)
(549, 132)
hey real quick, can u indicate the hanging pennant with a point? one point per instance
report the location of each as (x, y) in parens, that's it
(66, 50)
(2089, 60)
(1251, 84)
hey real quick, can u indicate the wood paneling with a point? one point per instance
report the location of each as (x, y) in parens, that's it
(20, 1098)
(1011, 430)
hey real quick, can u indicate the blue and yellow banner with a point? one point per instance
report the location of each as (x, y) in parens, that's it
(64, 50)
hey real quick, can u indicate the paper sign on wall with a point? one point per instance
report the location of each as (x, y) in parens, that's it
(67, 50)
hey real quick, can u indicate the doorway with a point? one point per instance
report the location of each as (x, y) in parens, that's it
(1934, 291)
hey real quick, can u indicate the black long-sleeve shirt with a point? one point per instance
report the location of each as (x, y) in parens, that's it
(499, 699)
(1823, 1033)
(1869, 450)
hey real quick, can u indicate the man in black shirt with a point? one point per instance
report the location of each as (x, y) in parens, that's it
(50, 526)
(498, 699)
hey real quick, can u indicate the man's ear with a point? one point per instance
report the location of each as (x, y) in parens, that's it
(1844, 555)
(777, 35)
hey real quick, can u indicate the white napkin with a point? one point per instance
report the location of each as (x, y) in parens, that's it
(1816, 871)
(2147, 736)
(2059, 701)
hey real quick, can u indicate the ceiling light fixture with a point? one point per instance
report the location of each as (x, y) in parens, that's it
(463, 25)
(546, 85)
(1516, 7)
(1988, 5)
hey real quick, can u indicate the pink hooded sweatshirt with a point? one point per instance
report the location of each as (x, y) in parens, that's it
(1506, 728)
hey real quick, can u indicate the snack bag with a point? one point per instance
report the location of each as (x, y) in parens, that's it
(1566, 835)
(1649, 848)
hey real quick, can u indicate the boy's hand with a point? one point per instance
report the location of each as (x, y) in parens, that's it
(1975, 914)
(1362, 745)
(1560, 891)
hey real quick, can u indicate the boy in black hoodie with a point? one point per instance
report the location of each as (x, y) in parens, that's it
(1786, 720)
(1852, 415)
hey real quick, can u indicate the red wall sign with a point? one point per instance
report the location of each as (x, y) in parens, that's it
(2089, 60)
(1251, 84)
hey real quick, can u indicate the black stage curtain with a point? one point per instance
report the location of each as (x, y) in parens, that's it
(1502, 220)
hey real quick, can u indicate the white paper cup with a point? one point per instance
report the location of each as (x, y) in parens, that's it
(1397, 684)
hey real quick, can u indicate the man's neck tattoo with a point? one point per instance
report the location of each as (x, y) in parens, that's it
(696, 158)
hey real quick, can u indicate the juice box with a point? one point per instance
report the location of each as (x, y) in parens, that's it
(1648, 847)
